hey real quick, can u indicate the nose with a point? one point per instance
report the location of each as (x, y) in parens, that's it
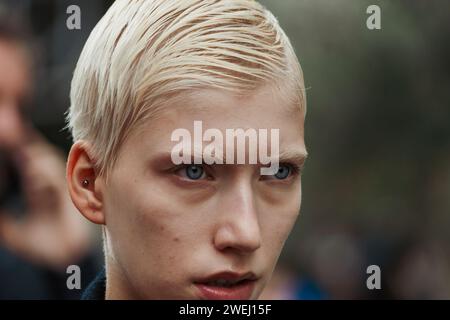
(238, 229)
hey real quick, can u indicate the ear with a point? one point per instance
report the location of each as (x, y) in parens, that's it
(85, 187)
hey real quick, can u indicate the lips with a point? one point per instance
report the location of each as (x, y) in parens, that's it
(227, 286)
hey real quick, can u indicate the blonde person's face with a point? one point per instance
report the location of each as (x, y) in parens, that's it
(171, 227)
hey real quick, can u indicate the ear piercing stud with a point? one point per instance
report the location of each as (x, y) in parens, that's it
(85, 183)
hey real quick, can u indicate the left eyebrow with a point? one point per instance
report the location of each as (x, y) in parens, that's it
(296, 157)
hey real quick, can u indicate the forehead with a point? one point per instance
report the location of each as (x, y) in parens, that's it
(263, 108)
(222, 110)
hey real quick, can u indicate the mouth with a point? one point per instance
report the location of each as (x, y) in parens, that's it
(227, 286)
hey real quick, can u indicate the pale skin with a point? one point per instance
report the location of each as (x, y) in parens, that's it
(164, 230)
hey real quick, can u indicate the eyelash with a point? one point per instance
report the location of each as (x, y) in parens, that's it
(206, 171)
(295, 170)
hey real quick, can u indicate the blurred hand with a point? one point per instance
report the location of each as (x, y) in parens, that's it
(51, 232)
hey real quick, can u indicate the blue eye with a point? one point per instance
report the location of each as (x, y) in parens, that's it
(284, 172)
(194, 172)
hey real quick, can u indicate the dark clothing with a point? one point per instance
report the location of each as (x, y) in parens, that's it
(23, 280)
(96, 289)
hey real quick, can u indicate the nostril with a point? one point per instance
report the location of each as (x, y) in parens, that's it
(237, 239)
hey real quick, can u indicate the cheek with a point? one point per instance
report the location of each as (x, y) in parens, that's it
(159, 220)
(278, 218)
(149, 240)
(276, 232)
(145, 223)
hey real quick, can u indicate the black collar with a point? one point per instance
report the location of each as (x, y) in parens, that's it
(96, 289)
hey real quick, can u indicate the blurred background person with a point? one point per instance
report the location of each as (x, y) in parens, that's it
(40, 233)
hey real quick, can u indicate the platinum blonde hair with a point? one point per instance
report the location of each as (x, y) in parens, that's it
(143, 52)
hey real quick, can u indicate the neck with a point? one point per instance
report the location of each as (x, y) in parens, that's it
(117, 285)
